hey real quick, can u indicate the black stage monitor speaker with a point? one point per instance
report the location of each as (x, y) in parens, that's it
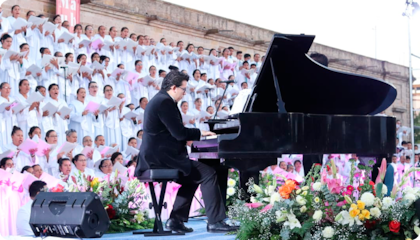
(68, 214)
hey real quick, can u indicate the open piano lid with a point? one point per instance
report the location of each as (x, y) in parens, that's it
(308, 87)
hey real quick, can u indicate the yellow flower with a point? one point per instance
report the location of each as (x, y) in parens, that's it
(305, 193)
(94, 182)
(361, 217)
(360, 205)
(353, 206)
(354, 212)
(317, 200)
(366, 214)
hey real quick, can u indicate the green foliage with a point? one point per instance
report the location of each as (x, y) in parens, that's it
(122, 225)
(416, 130)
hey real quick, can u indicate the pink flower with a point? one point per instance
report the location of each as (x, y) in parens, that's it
(342, 203)
(266, 208)
(350, 188)
(253, 205)
(334, 185)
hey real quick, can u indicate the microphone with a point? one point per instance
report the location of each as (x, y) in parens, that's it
(63, 67)
(227, 82)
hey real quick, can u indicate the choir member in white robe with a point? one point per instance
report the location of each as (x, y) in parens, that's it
(47, 38)
(63, 171)
(89, 36)
(112, 130)
(79, 48)
(121, 86)
(140, 110)
(253, 76)
(132, 142)
(202, 65)
(81, 119)
(171, 57)
(52, 155)
(126, 56)
(5, 26)
(256, 60)
(161, 62)
(184, 113)
(232, 91)
(33, 38)
(102, 36)
(98, 76)
(178, 50)
(18, 34)
(60, 44)
(238, 66)
(214, 67)
(26, 63)
(28, 117)
(117, 157)
(93, 155)
(192, 86)
(81, 170)
(7, 117)
(138, 90)
(50, 71)
(55, 122)
(114, 57)
(93, 97)
(71, 137)
(83, 77)
(127, 127)
(298, 168)
(20, 158)
(103, 167)
(188, 64)
(226, 69)
(198, 113)
(154, 86)
(10, 68)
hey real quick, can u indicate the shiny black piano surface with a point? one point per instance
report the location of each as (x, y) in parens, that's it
(299, 106)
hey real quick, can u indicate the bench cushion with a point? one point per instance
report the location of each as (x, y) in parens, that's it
(154, 175)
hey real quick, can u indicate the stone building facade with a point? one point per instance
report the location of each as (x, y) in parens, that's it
(161, 19)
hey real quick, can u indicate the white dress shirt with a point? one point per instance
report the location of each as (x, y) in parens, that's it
(22, 220)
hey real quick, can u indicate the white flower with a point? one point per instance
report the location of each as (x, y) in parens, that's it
(275, 197)
(384, 189)
(304, 193)
(266, 199)
(280, 216)
(298, 191)
(300, 200)
(270, 190)
(303, 209)
(410, 198)
(317, 199)
(292, 222)
(305, 188)
(253, 200)
(409, 189)
(375, 212)
(231, 182)
(368, 199)
(387, 202)
(317, 215)
(230, 191)
(317, 186)
(328, 232)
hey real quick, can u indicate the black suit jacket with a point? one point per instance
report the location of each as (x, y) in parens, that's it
(164, 137)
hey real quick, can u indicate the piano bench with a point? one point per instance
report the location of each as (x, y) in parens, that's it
(160, 176)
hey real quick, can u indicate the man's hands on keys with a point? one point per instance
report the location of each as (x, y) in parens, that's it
(207, 133)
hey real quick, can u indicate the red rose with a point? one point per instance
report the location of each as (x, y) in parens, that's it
(369, 224)
(111, 212)
(58, 188)
(394, 226)
(318, 164)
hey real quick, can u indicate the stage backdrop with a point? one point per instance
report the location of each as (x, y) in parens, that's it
(69, 10)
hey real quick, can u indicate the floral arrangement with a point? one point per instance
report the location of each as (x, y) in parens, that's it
(323, 207)
(124, 203)
(232, 186)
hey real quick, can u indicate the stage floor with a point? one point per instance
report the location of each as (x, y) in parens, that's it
(198, 224)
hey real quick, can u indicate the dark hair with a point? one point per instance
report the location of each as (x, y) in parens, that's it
(151, 67)
(320, 58)
(36, 187)
(55, 17)
(21, 82)
(211, 51)
(77, 25)
(99, 28)
(139, 131)
(137, 61)
(208, 108)
(62, 24)
(196, 100)
(247, 55)
(200, 47)
(90, 83)
(132, 138)
(4, 37)
(102, 162)
(238, 52)
(25, 168)
(296, 161)
(48, 134)
(13, 7)
(94, 54)
(3, 161)
(182, 103)
(110, 29)
(256, 54)
(37, 88)
(56, 54)
(244, 83)
(178, 43)
(245, 62)
(189, 44)
(107, 86)
(114, 156)
(29, 12)
(230, 48)
(120, 64)
(42, 50)
(77, 92)
(133, 34)
(253, 64)
(124, 28)
(52, 85)
(80, 57)
(60, 162)
(41, 15)
(68, 55)
(97, 137)
(139, 36)
(22, 45)
(196, 71)
(76, 158)
(2, 84)
(103, 58)
(32, 130)
(87, 27)
(174, 78)
(173, 68)
(129, 163)
(15, 129)
(161, 71)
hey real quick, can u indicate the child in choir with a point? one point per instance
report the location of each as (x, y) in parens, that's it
(103, 167)
(112, 130)
(81, 168)
(213, 70)
(7, 115)
(117, 157)
(10, 68)
(61, 45)
(98, 76)
(254, 75)
(7, 163)
(56, 121)
(232, 91)
(154, 86)
(93, 155)
(186, 115)
(20, 158)
(28, 117)
(82, 120)
(189, 63)
(98, 122)
(191, 88)
(50, 70)
(18, 34)
(131, 163)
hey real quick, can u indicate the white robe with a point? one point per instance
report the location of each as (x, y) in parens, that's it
(82, 124)
(112, 130)
(62, 47)
(18, 39)
(7, 121)
(56, 122)
(33, 81)
(10, 73)
(34, 40)
(22, 159)
(26, 119)
(98, 124)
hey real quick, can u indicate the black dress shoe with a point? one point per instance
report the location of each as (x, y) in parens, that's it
(177, 226)
(221, 227)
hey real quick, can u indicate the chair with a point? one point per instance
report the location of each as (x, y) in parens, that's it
(160, 176)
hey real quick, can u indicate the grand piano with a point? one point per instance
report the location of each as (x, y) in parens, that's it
(298, 106)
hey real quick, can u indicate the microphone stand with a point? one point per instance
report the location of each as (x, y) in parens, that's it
(65, 83)
(212, 122)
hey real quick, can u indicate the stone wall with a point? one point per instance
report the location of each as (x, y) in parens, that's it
(161, 19)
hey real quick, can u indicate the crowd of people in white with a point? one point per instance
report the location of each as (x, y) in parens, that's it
(81, 96)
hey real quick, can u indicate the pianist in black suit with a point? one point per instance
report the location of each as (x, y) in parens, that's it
(164, 146)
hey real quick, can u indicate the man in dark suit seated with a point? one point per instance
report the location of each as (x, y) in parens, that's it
(164, 146)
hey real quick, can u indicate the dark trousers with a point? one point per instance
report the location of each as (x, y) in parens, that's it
(206, 176)
(309, 160)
